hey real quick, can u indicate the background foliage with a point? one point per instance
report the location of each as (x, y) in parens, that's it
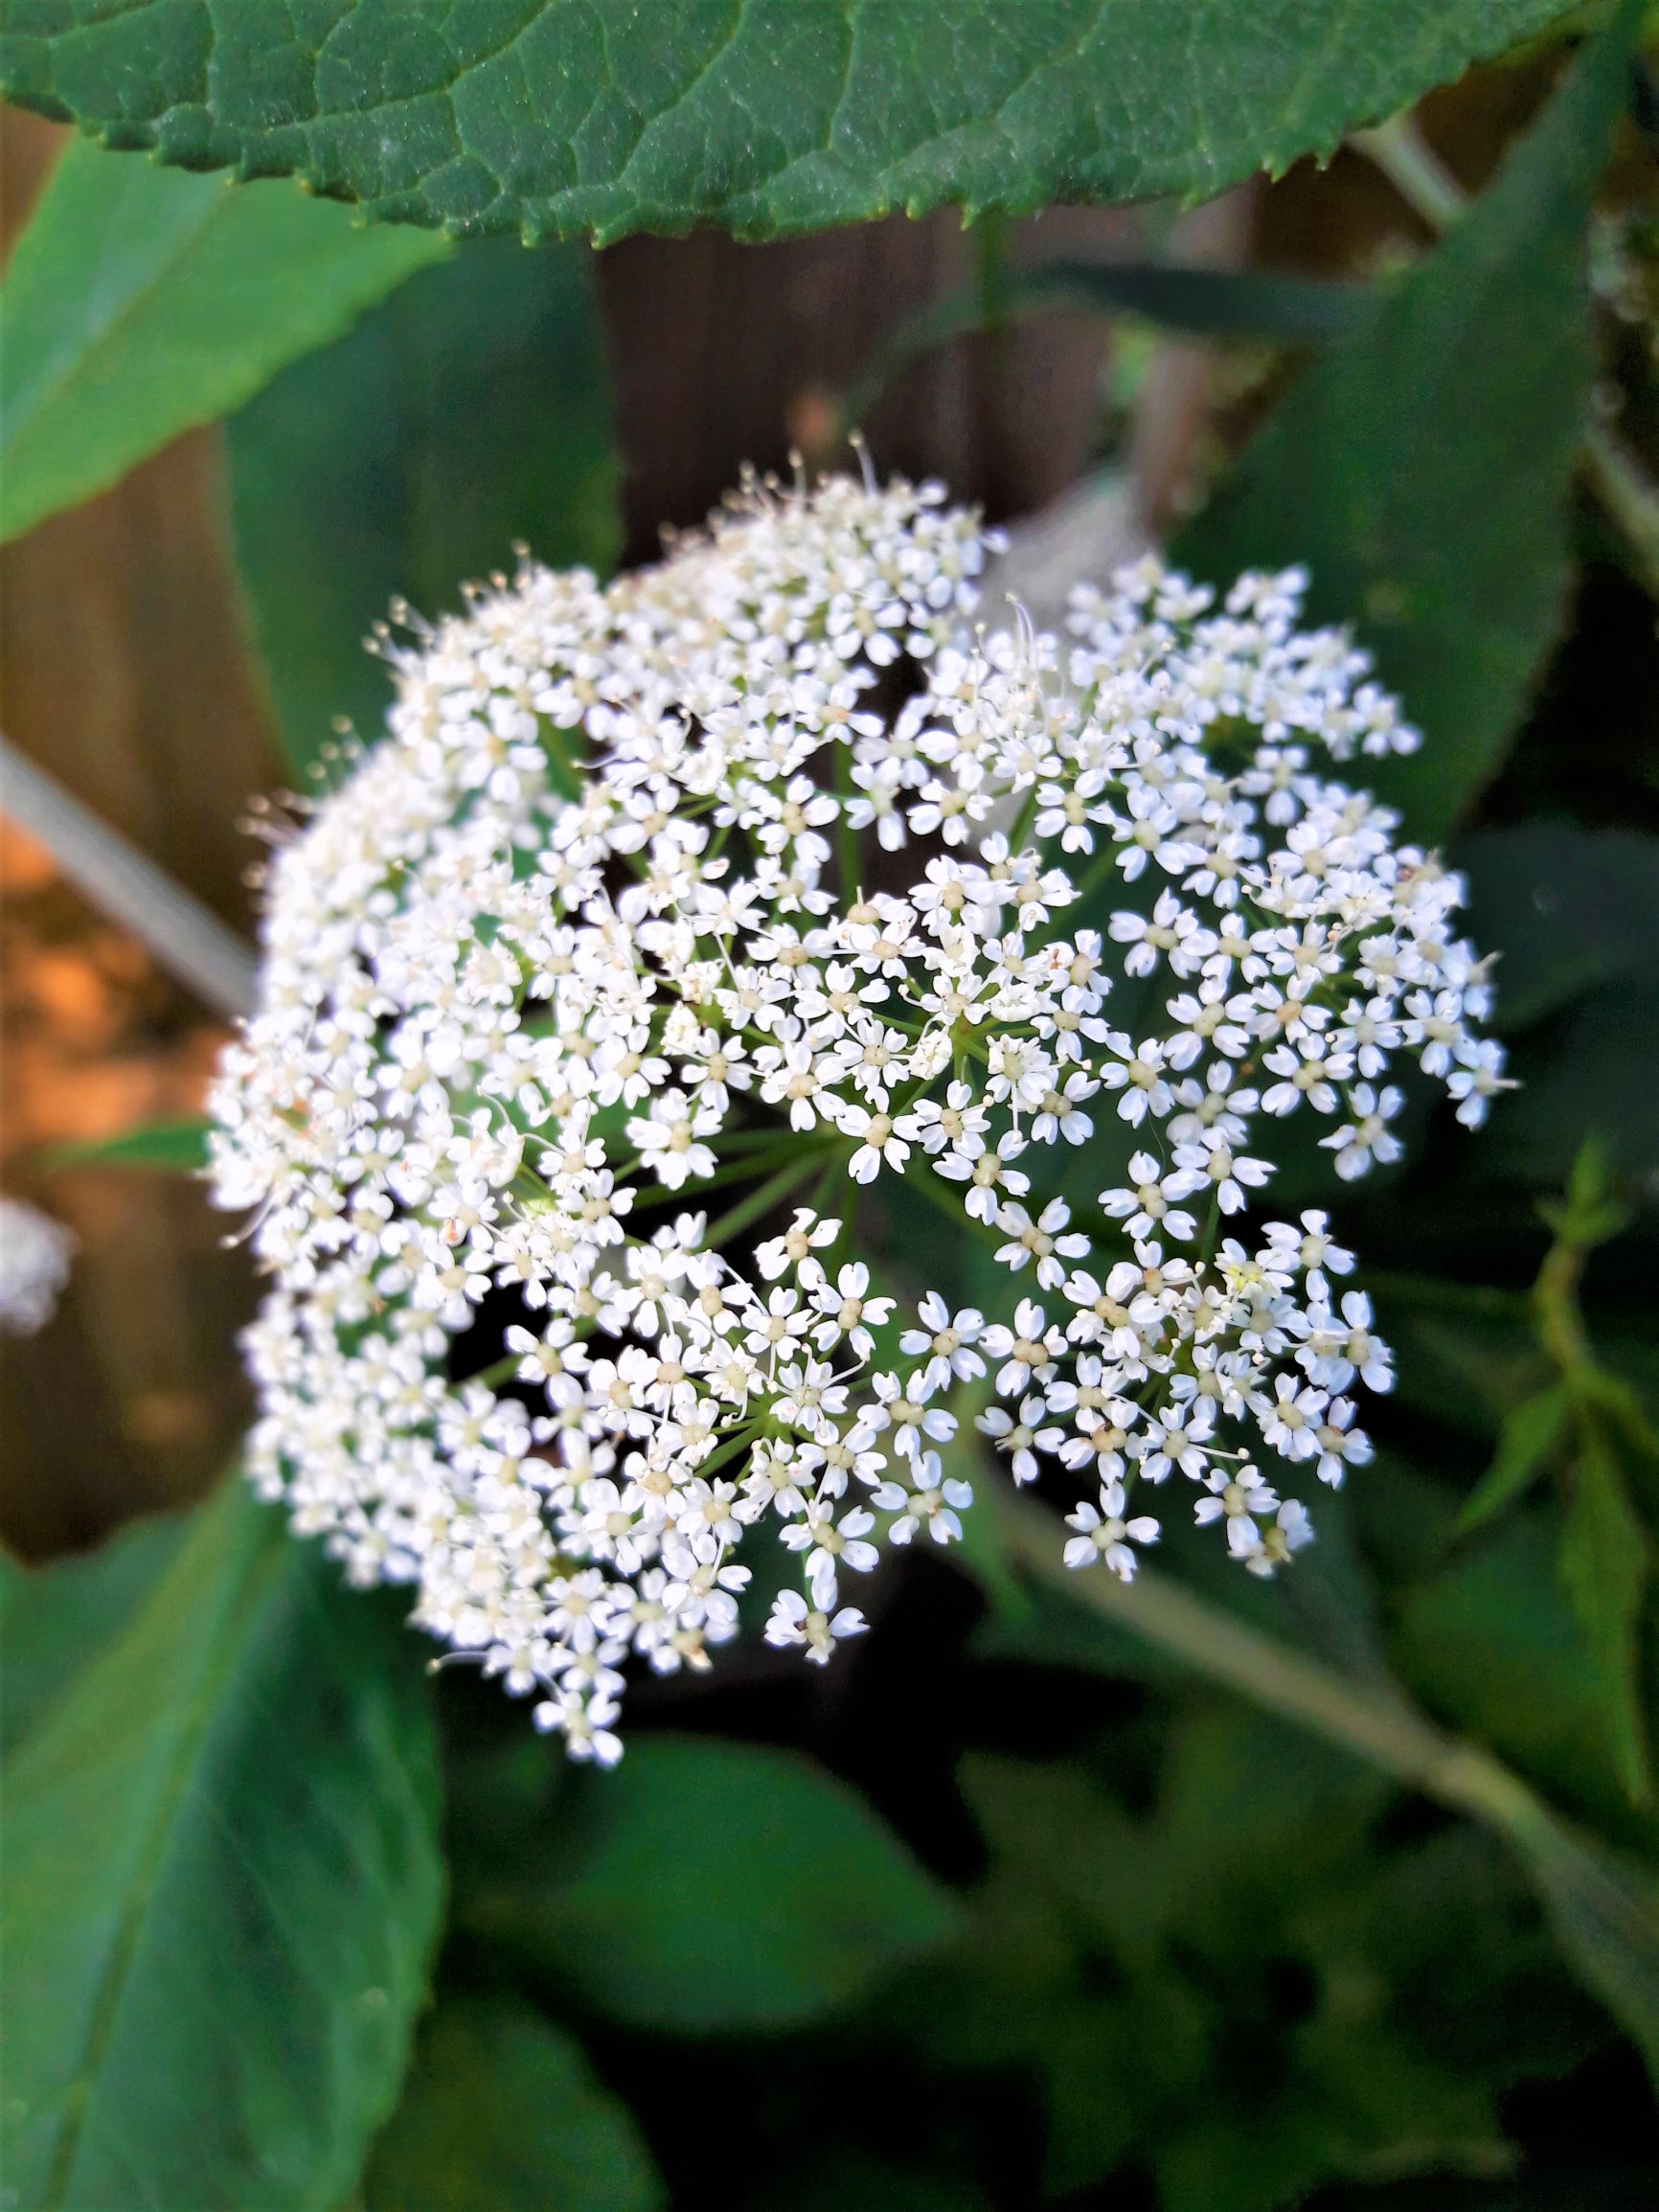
(1340, 1892)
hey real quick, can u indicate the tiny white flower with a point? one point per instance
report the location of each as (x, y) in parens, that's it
(793, 1622)
(1104, 1535)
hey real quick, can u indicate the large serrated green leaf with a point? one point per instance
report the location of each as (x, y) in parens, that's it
(502, 2113)
(220, 1890)
(470, 410)
(139, 303)
(1422, 470)
(766, 116)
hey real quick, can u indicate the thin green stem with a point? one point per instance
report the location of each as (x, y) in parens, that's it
(1560, 1323)
(738, 1442)
(929, 1185)
(1212, 1229)
(824, 1197)
(846, 857)
(780, 1153)
(1374, 1721)
(1628, 496)
(761, 1202)
(1604, 1909)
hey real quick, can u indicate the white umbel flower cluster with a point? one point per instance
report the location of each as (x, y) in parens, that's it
(666, 915)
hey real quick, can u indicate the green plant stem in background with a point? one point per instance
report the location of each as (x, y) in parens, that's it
(1629, 497)
(1605, 1550)
(848, 863)
(1380, 1727)
(762, 1201)
(1589, 1424)
(1434, 1295)
(1417, 173)
(1605, 1915)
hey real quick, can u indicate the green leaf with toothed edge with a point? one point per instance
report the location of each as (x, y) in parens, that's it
(766, 117)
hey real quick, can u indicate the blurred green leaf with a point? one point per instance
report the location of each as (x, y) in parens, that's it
(1587, 1073)
(1563, 909)
(1491, 1643)
(1242, 1797)
(710, 1885)
(854, 2180)
(55, 1619)
(1421, 470)
(767, 117)
(1199, 302)
(1451, 1924)
(1524, 1445)
(1058, 1828)
(1251, 1988)
(1622, 1399)
(1052, 1633)
(221, 1887)
(1604, 1564)
(177, 1147)
(1196, 301)
(140, 302)
(1036, 1981)
(472, 410)
(501, 2112)
(1466, 1368)
(1605, 1915)
(1387, 2114)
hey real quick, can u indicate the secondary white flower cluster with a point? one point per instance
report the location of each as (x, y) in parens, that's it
(35, 1256)
(664, 918)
